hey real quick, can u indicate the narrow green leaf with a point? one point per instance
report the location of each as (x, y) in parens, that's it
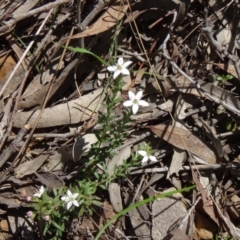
(82, 50)
(135, 205)
(57, 226)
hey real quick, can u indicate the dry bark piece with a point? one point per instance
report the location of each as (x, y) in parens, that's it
(176, 234)
(140, 225)
(59, 158)
(184, 139)
(25, 7)
(114, 188)
(82, 145)
(115, 197)
(17, 224)
(178, 159)
(166, 212)
(72, 112)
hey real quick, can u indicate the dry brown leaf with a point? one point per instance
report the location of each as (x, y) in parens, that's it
(4, 225)
(108, 210)
(207, 201)
(184, 139)
(228, 68)
(30, 167)
(205, 229)
(7, 64)
(49, 179)
(106, 21)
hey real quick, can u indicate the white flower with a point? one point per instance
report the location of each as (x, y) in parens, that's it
(70, 199)
(146, 156)
(135, 101)
(120, 68)
(39, 192)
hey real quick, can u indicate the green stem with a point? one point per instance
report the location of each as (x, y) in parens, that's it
(135, 205)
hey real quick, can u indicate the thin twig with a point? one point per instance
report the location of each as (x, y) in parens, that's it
(24, 54)
(187, 168)
(97, 9)
(13, 147)
(8, 25)
(217, 46)
(204, 90)
(135, 54)
(23, 82)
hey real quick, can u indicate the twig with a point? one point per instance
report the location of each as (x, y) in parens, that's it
(23, 148)
(7, 27)
(79, 25)
(53, 135)
(97, 9)
(204, 90)
(217, 46)
(187, 168)
(135, 54)
(13, 147)
(24, 54)
(22, 83)
(167, 56)
(45, 40)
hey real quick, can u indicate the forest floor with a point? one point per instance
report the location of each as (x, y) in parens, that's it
(119, 119)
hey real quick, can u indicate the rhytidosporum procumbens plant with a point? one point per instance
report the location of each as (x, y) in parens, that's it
(56, 209)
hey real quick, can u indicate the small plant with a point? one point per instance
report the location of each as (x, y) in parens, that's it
(222, 79)
(55, 210)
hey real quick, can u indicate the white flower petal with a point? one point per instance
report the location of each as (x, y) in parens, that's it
(126, 64)
(145, 159)
(131, 95)
(41, 190)
(69, 204)
(37, 195)
(128, 103)
(112, 68)
(75, 203)
(142, 153)
(152, 158)
(135, 108)
(143, 103)
(120, 61)
(139, 95)
(69, 193)
(74, 195)
(116, 73)
(65, 198)
(125, 71)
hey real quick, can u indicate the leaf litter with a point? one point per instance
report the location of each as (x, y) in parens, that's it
(51, 99)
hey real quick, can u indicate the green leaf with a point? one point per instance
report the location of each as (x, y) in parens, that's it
(82, 50)
(46, 228)
(58, 226)
(97, 203)
(140, 203)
